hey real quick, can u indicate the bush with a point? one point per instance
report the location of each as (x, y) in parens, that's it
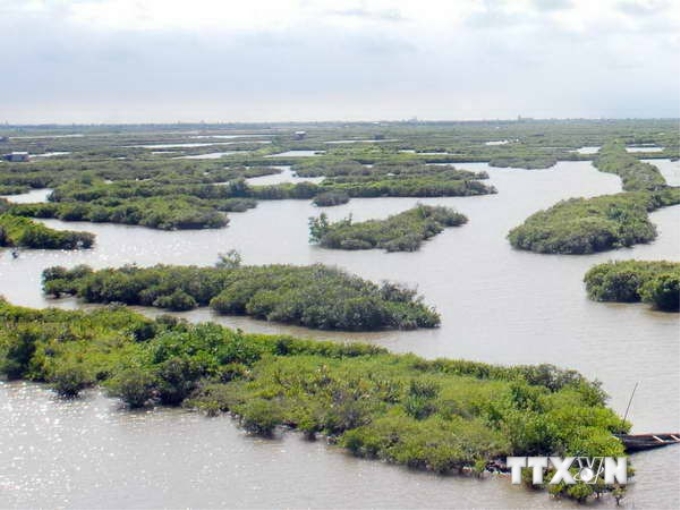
(636, 175)
(18, 231)
(259, 416)
(134, 386)
(331, 198)
(178, 301)
(177, 379)
(312, 296)
(663, 292)
(68, 380)
(439, 415)
(401, 232)
(22, 343)
(580, 226)
(657, 283)
(230, 260)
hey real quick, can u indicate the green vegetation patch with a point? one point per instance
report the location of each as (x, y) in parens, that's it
(161, 212)
(315, 296)
(401, 232)
(22, 232)
(580, 225)
(441, 415)
(635, 175)
(181, 201)
(630, 281)
(13, 190)
(331, 198)
(396, 179)
(179, 195)
(117, 164)
(527, 161)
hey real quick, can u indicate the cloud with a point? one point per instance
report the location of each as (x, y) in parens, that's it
(552, 5)
(127, 60)
(382, 15)
(643, 7)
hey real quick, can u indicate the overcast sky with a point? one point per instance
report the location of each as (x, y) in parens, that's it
(272, 60)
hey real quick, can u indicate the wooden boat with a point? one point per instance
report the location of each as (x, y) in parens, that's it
(641, 442)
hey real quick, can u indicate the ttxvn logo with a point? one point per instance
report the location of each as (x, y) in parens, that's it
(571, 469)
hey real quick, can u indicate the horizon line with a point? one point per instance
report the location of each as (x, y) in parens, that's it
(414, 120)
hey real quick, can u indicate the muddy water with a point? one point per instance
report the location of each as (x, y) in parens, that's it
(498, 305)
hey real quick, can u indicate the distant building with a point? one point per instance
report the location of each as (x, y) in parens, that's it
(4, 139)
(17, 157)
(379, 136)
(300, 135)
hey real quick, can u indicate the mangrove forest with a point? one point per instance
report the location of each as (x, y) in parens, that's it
(632, 281)
(587, 225)
(18, 232)
(401, 232)
(317, 296)
(441, 415)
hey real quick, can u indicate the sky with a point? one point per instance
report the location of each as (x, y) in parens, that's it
(129, 61)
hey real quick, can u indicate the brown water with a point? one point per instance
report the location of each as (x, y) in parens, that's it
(669, 169)
(286, 175)
(592, 149)
(644, 148)
(211, 155)
(498, 305)
(31, 197)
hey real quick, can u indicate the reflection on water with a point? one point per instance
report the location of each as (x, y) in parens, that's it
(89, 453)
(497, 304)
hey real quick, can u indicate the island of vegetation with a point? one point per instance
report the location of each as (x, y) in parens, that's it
(635, 174)
(331, 198)
(196, 195)
(315, 296)
(588, 225)
(156, 176)
(582, 225)
(442, 415)
(631, 281)
(397, 179)
(17, 232)
(530, 161)
(401, 232)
